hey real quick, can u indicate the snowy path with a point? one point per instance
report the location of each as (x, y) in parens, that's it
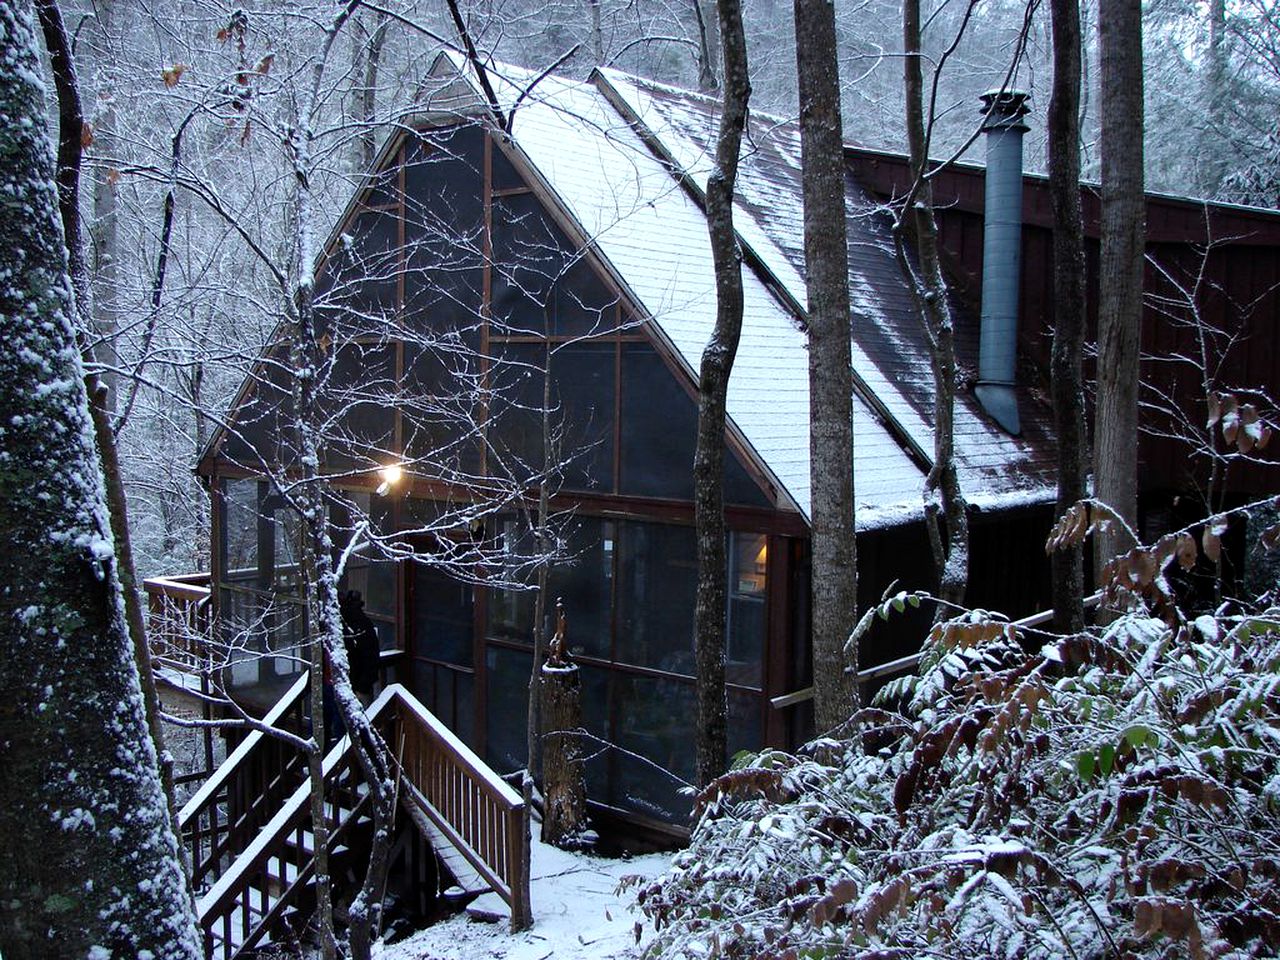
(577, 916)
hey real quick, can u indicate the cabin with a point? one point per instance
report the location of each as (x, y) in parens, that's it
(517, 298)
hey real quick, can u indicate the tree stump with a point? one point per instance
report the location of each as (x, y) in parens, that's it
(564, 819)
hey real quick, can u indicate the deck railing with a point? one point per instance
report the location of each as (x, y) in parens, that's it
(482, 817)
(254, 876)
(179, 621)
(912, 660)
(222, 818)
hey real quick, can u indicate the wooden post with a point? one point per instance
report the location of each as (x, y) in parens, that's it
(564, 818)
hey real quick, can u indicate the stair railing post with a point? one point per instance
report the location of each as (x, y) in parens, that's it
(518, 859)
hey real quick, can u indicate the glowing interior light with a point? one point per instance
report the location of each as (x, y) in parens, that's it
(391, 475)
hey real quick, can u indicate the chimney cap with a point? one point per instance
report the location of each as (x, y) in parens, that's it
(1004, 109)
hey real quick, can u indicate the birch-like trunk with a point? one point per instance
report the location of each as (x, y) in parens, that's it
(308, 494)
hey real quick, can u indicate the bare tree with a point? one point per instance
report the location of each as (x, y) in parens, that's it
(713, 386)
(944, 499)
(834, 568)
(90, 860)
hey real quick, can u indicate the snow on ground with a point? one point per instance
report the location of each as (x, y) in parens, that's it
(576, 916)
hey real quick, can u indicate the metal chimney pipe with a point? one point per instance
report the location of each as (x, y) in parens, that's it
(1001, 256)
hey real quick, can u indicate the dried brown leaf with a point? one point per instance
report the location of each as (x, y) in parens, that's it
(1215, 411)
(1211, 543)
(1186, 551)
(1147, 919)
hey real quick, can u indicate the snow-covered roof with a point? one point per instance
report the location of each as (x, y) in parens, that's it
(605, 149)
(890, 353)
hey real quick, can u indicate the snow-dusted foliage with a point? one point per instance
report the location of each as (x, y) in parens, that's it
(1111, 794)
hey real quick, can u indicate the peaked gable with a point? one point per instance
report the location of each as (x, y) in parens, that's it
(628, 207)
(442, 296)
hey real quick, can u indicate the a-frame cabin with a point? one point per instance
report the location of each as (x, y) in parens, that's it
(480, 254)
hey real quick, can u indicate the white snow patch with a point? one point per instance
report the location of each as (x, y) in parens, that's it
(577, 915)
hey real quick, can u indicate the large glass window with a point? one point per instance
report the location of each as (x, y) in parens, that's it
(515, 411)
(262, 619)
(582, 414)
(579, 413)
(507, 711)
(655, 728)
(442, 619)
(657, 580)
(583, 579)
(529, 256)
(359, 396)
(444, 220)
(239, 527)
(360, 285)
(366, 571)
(262, 431)
(541, 284)
(660, 427)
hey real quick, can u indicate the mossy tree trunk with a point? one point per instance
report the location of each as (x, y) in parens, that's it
(89, 859)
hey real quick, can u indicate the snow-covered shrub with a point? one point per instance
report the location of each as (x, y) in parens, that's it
(1112, 794)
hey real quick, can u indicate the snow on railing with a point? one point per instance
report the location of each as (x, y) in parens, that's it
(232, 804)
(482, 816)
(179, 620)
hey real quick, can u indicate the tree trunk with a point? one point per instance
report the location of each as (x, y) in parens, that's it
(943, 495)
(104, 227)
(597, 33)
(80, 797)
(70, 149)
(1120, 277)
(1215, 143)
(369, 92)
(706, 62)
(321, 582)
(834, 578)
(1069, 303)
(533, 720)
(713, 386)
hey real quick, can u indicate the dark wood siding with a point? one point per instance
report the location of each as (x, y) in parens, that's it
(1234, 251)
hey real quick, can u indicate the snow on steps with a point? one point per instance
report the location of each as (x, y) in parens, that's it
(221, 908)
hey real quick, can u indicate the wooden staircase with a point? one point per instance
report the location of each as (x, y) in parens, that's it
(248, 829)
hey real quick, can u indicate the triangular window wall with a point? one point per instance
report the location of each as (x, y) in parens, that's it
(449, 292)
